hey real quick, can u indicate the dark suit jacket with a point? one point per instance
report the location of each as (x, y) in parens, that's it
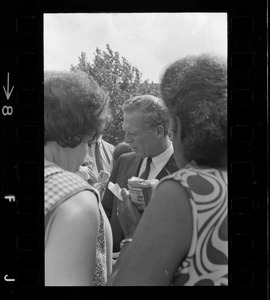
(127, 165)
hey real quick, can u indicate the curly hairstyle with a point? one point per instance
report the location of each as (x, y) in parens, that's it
(74, 107)
(195, 90)
(155, 112)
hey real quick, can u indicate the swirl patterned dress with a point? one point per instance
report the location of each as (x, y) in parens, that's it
(207, 260)
(60, 185)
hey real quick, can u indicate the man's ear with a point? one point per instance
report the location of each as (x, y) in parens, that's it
(160, 130)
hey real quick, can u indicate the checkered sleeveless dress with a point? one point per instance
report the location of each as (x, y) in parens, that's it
(60, 185)
(207, 260)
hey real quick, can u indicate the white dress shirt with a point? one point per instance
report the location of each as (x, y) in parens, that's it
(158, 162)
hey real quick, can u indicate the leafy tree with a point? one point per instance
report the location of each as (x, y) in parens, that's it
(121, 80)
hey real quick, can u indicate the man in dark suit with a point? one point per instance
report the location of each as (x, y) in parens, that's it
(146, 126)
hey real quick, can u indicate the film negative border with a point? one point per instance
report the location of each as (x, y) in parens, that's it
(248, 166)
(21, 140)
(22, 150)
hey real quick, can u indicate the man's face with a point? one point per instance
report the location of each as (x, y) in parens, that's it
(142, 140)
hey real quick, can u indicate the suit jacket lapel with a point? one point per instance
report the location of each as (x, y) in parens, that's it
(138, 166)
(134, 167)
(129, 169)
(168, 169)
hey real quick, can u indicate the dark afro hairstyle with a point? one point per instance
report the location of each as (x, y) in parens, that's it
(195, 90)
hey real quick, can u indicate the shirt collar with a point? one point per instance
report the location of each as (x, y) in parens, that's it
(163, 157)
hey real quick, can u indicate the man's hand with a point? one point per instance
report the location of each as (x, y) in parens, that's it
(128, 214)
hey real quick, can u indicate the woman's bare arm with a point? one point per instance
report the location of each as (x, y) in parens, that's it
(71, 248)
(161, 240)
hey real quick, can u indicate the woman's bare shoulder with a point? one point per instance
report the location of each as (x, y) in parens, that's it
(78, 217)
(170, 202)
(79, 207)
(170, 189)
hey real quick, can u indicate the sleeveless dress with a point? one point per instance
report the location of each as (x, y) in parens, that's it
(60, 185)
(207, 260)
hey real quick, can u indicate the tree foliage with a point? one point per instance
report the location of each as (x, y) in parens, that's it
(121, 80)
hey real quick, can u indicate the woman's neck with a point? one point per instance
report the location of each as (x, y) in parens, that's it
(50, 153)
(55, 154)
(47, 162)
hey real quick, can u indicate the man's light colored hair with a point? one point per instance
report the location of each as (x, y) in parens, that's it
(155, 112)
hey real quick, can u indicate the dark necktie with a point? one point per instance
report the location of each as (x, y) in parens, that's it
(146, 172)
(98, 158)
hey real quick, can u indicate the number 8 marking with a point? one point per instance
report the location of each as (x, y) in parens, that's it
(7, 110)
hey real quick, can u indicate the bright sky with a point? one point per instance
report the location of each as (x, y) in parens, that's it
(149, 41)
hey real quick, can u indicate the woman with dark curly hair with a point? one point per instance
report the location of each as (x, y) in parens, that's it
(78, 241)
(181, 238)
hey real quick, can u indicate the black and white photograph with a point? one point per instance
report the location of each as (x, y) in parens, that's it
(135, 149)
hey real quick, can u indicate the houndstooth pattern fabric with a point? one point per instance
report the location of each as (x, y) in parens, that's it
(60, 185)
(68, 184)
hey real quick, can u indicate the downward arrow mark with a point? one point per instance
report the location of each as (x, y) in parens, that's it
(7, 92)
